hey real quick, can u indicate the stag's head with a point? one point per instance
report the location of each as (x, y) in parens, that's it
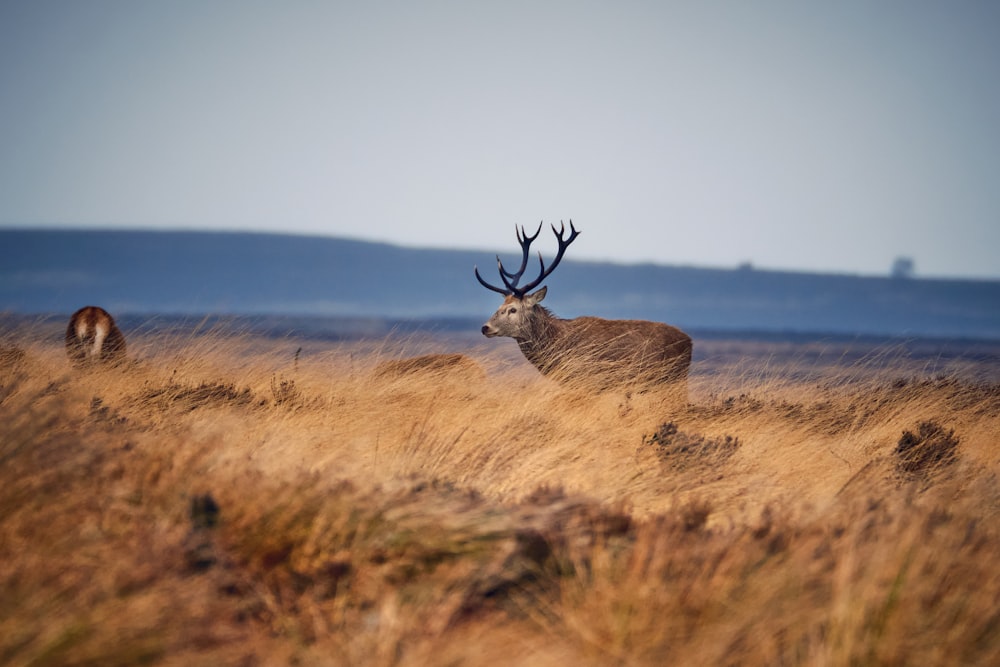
(516, 315)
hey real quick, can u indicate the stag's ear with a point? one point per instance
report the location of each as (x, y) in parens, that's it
(532, 299)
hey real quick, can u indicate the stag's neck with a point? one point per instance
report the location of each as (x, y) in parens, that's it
(539, 345)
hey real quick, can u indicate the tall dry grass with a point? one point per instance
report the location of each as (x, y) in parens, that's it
(231, 499)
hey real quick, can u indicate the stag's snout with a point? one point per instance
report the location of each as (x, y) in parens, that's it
(489, 331)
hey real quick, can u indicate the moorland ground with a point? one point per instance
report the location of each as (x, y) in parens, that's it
(239, 499)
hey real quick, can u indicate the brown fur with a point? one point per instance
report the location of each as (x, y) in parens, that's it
(591, 350)
(92, 337)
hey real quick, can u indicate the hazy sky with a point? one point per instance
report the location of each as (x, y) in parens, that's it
(831, 136)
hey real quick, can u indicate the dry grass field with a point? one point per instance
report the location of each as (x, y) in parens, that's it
(239, 500)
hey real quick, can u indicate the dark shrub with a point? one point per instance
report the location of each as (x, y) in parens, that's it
(929, 448)
(682, 449)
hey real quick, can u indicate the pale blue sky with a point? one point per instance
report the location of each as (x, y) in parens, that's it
(829, 136)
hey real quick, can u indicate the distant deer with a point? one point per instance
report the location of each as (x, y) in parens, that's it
(587, 350)
(93, 337)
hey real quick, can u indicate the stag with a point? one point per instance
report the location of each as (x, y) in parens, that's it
(585, 350)
(93, 337)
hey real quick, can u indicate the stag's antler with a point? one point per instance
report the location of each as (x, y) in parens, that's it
(525, 241)
(510, 280)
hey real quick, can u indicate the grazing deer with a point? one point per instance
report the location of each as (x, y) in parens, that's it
(588, 350)
(93, 337)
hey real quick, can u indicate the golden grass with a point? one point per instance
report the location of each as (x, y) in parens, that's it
(239, 500)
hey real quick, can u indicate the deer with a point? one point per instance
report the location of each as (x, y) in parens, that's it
(588, 351)
(92, 337)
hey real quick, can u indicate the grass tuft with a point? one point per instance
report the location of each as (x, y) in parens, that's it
(927, 450)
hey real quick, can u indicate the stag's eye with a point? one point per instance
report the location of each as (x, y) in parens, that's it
(512, 311)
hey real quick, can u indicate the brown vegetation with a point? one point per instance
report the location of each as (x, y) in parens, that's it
(230, 500)
(455, 365)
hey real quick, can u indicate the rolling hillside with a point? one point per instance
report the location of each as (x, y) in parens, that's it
(56, 271)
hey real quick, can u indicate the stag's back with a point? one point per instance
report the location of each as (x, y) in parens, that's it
(617, 352)
(93, 337)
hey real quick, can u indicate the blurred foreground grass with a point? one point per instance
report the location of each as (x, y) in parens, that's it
(238, 500)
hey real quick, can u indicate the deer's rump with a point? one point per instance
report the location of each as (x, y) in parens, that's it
(92, 336)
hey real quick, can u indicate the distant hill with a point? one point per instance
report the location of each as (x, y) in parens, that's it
(56, 271)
